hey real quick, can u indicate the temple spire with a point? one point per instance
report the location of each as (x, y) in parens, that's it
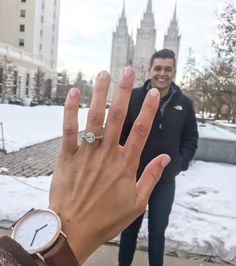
(123, 10)
(149, 7)
(174, 15)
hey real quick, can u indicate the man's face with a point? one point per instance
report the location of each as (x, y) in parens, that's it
(162, 72)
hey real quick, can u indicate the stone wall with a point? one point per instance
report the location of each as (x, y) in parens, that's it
(216, 150)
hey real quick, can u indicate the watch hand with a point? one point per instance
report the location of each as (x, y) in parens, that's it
(42, 227)
(35, 233)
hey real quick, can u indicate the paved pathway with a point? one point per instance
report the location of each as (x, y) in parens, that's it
(35, 160)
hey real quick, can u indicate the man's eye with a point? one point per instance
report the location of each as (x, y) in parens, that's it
(164, 69)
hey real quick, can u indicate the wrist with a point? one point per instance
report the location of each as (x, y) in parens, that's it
(83, 242)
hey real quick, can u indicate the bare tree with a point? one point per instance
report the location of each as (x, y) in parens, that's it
(39, 84)
(63, 86)
(223, 68)
(7, 73)
(214, 87)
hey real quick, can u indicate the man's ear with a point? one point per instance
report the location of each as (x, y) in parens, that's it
(149, 69)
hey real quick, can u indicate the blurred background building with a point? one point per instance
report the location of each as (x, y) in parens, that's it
(28, 48)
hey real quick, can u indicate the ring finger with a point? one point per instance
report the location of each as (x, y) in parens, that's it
(96, 112)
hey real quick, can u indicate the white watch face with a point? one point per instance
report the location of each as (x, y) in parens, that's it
(37, 230)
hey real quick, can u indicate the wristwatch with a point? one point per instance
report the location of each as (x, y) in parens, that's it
(39, 233)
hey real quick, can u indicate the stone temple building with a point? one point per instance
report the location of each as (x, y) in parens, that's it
(126, 52)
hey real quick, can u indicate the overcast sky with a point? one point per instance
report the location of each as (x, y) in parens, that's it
(86, 26)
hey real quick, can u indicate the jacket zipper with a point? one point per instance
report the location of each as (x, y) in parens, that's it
(162, 110)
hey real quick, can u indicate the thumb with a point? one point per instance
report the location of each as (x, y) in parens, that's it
(149, 179)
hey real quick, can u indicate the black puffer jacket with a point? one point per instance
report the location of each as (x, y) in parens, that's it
(174, 130)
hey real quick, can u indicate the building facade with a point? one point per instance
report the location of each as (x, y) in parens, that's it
(124, 52)
(28, 47)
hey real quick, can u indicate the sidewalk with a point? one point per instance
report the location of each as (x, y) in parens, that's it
(106, 255)
(35, 160)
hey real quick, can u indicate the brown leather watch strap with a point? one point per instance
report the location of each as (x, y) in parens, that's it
(60, 254)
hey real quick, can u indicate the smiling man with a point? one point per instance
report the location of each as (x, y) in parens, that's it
(174, 131)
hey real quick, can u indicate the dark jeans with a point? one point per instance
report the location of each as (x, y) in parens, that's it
(160, 204)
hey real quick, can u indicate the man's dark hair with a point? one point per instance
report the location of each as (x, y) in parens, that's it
(164, 53)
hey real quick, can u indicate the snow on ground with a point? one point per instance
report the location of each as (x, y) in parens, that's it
(25, 126)
(202, 222)
(203, 218)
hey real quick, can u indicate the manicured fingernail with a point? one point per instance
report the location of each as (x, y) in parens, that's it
(128, 71)
(165, 161)
(73, 92)
(104, 75)
(154, 92)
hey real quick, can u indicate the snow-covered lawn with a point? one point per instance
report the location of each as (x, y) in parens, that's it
(24, 126)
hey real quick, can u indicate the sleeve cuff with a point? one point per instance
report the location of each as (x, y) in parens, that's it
(11, 251)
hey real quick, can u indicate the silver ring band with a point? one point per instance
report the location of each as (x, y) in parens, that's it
(90, 137)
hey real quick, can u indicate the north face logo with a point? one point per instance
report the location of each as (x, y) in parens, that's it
(178, 107)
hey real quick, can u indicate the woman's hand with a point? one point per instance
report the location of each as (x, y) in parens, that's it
(94, 187)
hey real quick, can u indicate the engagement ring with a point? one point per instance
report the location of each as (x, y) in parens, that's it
(90, 137)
